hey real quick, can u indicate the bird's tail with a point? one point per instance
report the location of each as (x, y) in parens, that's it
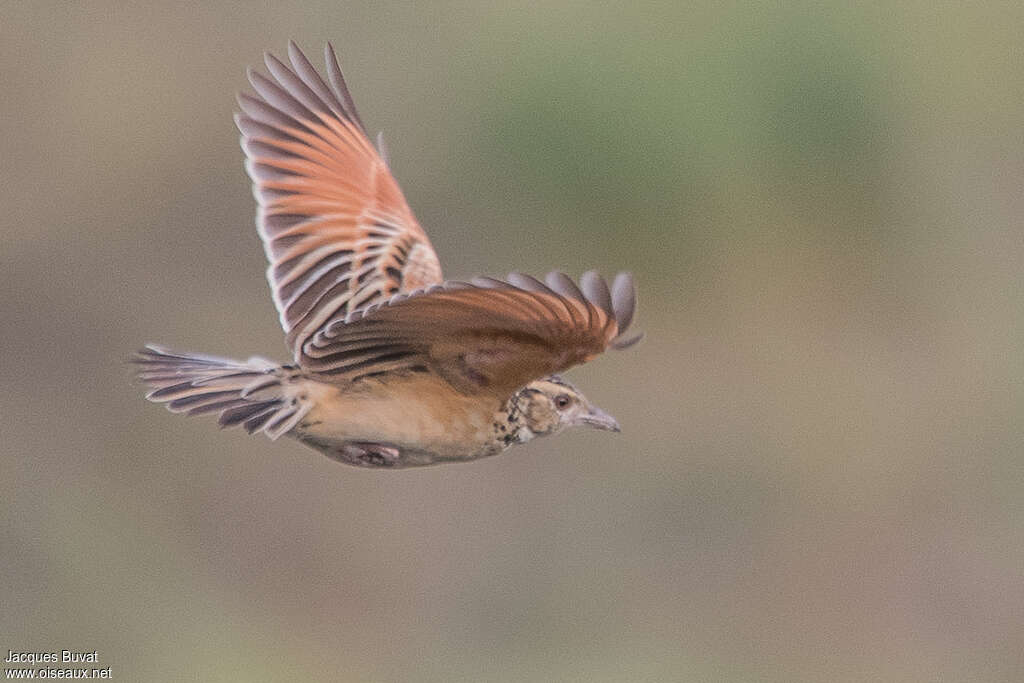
(258, 394)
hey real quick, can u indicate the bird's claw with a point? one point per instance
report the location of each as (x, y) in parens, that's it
(370, 454)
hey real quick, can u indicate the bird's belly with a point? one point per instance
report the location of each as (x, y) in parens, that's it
(421, 416)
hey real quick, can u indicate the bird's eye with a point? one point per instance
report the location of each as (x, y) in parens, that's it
(562, 401)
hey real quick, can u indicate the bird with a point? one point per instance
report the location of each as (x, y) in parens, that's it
(394, 366)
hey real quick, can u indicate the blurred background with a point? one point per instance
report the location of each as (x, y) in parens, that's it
(821, 471)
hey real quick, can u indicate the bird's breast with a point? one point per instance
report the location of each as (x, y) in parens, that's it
(417, 411)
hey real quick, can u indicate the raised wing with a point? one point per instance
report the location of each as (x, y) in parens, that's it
(335, 226)
(487, 336)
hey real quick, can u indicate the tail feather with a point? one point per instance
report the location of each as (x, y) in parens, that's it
(253, 393)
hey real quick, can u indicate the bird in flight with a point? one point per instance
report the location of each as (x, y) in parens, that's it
(393, 365)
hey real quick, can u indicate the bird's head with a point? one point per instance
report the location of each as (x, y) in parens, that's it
(549, 405)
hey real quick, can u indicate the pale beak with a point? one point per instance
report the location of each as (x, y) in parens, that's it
(598, 419)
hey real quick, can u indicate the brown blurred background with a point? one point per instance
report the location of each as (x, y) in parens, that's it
(821, 472)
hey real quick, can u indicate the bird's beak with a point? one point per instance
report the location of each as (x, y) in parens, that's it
(598, 419)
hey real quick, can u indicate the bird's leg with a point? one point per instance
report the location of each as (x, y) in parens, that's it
(370, 453)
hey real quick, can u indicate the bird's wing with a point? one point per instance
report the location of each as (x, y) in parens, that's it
(484, 337)
(335, 226)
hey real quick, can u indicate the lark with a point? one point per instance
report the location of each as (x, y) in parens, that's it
(393, 365)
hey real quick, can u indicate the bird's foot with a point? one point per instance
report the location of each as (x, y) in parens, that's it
(370, 454)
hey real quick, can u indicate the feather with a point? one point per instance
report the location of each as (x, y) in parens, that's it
(335, 226)
(596, 291)
(250, 393)
(486, 336)
(340, 88)
(623, 300)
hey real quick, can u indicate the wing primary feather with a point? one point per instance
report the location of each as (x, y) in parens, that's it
(620, 344)
(563, 284)
(596, 289)
(487, 282)
(276, 223)
(265, 173)
(529, 283)
(566, 288)
(254, 130)
(624, 300)
(294, 85)
(312, 79)
(340, 88)
(261, 112)
(256, 148)
(278, 97)
(597, 292)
